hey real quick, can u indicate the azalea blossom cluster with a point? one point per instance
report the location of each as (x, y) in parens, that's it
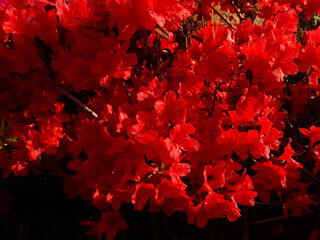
(153, 103)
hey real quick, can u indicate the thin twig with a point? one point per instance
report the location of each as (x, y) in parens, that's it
(236, 11)
(44, 52)
(225, 20)
(254, 18)
(213, 104)
(310, 175)
(314, 123)
(266, 203)
(72, 98)
(202, 17)
(277, 218)
(124, 83)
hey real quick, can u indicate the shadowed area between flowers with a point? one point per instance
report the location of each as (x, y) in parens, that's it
(38, 209)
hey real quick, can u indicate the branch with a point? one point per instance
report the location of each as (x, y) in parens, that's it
(225, 20)
(72, 98)
(236, 11)
(44, 52)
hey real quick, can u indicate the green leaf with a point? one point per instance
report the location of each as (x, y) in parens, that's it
(12, 139)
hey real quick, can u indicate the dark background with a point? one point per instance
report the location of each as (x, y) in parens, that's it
(42, 211)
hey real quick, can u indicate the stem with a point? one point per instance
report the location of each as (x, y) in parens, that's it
(186, 43)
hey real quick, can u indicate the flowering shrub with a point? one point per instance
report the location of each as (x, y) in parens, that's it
(153, 103)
